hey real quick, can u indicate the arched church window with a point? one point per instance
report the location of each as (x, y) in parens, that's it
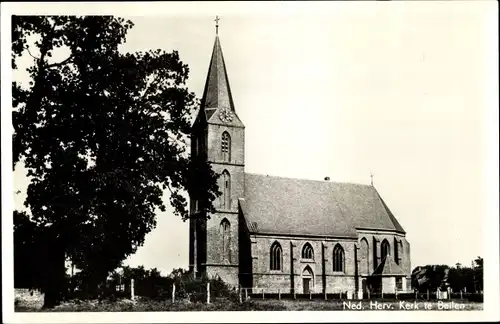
(385, 249)
(225, 231)
(365, 257)
(307, 252)
(225, 188)
(398, 250)
(276, 256)
(338, 258)
(226, 147)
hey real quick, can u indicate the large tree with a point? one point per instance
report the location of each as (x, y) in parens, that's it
(102, 134)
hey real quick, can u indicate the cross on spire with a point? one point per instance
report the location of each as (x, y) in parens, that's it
(217, 25)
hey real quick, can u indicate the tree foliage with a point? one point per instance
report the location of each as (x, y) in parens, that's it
(102, 134)
(457, 278)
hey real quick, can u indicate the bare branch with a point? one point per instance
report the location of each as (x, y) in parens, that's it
(170, 189)
(148, 86)
(69, 59)
(36, 58)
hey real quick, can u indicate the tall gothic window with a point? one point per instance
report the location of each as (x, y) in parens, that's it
(396, 251)
(195, 205)
(226, 147)
(225, 188)
(307, 252)
(276, 256)
(225, 231)
(338, 258)
(385, 249)
(365, 257)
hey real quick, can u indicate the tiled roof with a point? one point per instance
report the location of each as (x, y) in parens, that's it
(217, 93)
(388, 268)
(276, 205)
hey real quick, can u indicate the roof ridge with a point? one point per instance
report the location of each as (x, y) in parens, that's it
(305, 179)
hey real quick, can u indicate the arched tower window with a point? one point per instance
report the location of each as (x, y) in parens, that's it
(385, 249)
(307, 252)
(225, 188)
(225, 232)
(364, 257)
(226, 147)
(338, 258)
(276, 256)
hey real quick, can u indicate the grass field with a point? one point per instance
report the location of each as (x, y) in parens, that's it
(145, 305)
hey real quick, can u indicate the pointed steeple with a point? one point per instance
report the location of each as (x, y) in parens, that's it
(217, 93)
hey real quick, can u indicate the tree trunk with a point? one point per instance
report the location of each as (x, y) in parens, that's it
(54, 269)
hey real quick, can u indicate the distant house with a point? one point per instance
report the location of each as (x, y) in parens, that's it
(281, 233)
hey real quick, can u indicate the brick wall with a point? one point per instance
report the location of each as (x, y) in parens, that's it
(367, 258)
(214, 135)
(229, 274)
(216, 264)
(284, 279)
(388, 285)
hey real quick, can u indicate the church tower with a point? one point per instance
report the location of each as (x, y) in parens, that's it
(218, 135)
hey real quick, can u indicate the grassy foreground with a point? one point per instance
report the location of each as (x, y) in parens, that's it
(145, 305)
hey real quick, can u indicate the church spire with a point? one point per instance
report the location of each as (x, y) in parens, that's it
(217, 93)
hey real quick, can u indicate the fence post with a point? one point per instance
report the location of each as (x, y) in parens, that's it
(416, 296)
(368, 293)
(279, 294)
(382, 294)
(240, 294)
(396, 292)
(132, 292)
(208, 292)
(310, 296)
(326, 297)
(173, 292)
(246, 293)
(340, 295)
(294, 294)
(262, 293)
(461, 296)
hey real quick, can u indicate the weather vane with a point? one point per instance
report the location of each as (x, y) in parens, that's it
(217, 25)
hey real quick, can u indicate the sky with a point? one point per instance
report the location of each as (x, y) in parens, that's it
(402, 92)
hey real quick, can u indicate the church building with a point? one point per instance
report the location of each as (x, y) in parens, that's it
(298, 236)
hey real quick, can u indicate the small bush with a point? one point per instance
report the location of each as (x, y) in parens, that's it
(195, 289)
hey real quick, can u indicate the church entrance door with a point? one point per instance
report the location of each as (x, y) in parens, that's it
(307, 276)
(305, 283)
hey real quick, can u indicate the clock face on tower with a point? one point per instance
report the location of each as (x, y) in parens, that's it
(226, 115)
